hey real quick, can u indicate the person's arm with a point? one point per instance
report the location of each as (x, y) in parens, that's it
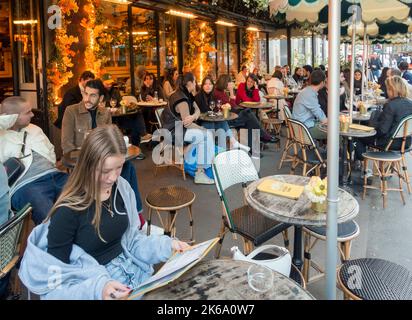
(62, 231)
(256, 96)
(241, 94)
(68, 134)
(385, 121)
(313, 105)
(167, 87)
(188, 120)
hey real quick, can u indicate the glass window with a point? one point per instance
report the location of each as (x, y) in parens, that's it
(6, 80)
(221, 50)
(261, 53)
(278, 50)
(168, 41)
(233, 52)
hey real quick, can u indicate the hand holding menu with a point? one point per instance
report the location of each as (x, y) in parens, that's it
(178, 264)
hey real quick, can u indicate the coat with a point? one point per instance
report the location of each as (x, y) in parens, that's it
(72, 96)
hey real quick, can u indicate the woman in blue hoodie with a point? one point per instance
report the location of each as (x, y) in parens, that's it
(89, 246)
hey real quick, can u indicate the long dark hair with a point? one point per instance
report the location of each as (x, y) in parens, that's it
(169, 77)
(222, 82)
(203, 98)
(249, 92)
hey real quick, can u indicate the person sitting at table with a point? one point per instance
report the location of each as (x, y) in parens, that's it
(306, 107)
(398, 107)
(170, 83)
(182, 107)
(381, 80)
(246, 118)
(73, 96)
(323, 95)
(80, 119)
(404, 68)
(111, 93)
(41, 182)
(203, 99)
(91, 234)
(307, 71)
(150, 87)
(248, 91)
(298, 76)
(357, 83)
(140, 71)
(241, 76)
(276, 87)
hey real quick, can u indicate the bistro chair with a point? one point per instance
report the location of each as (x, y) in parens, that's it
(374, 279)
(290, 142)
(236, 167)
(388, 162)
(347, 231)
(13, 239)
(167, 149)
(308, 154)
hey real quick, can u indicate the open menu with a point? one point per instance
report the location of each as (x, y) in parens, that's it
(177, 265)
(280, 188)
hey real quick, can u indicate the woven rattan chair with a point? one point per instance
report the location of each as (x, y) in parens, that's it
(164, 149)
(236, 167)
(308, 154)
(347, 231)
(374, 279)
(290, 142)
(13, 237)
(387, 163)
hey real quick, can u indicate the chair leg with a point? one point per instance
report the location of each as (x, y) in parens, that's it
(405, 173)
(306, 261)
(149, 221)
(365, 179)
(384, 182)
(222, 233)
(398, 169)
(286, 238)
(247, 246)
(191, 224)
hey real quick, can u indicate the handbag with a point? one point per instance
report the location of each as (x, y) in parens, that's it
(14, 166)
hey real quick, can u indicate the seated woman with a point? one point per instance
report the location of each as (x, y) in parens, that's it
(398, 107)
(275, 87)
(169, 84)
(298, 76)
(148, 92)
(90, 239)
(79, 119)
(357, 82)
(246, 118)
(203, 99)
(248, 91)
(183, 108)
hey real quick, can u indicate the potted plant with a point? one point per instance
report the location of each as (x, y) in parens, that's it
(316, 190)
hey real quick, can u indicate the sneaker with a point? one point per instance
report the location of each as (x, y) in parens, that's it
(367, 173)
(202, 178)
(146, 138)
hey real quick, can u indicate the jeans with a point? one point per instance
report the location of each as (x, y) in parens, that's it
(42, 193)
(135, 124)
(222, 131)
(204, 143)
(247, 119)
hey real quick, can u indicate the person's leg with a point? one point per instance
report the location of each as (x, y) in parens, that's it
(129, 174)
(317, 134)
(40, 194)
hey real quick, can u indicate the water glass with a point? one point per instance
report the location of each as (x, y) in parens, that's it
(260, 278)
(156, 96)
(113, 102)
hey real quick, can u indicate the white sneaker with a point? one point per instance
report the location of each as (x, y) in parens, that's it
(202, 178)
(237, 145)
(368, 173)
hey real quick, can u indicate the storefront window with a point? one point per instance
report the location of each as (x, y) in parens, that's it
(221, 50)
(301, 51)
(278, 50)
(233, 52)
(261, 53)
(6, 81)
(168, 42)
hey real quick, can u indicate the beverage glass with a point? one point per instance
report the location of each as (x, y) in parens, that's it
(156, 96)
(113, 102)
(260, 278)
(212, 105)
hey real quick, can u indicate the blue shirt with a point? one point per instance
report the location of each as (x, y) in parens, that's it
(4, 195)
(306, 107)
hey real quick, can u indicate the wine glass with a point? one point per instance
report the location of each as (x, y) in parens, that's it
(212, 105)
(260, 278)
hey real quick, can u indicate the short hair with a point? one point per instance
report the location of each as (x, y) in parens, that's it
(243, 68)
(253, 77)
(185, 78)
(397, 85)
(96, 84)
(86, 75)
(322, 67)
(317, 77)
(9, 105)
(308, 68)
(395, 72)
(278, 74)
(222, 81)
(403, 65)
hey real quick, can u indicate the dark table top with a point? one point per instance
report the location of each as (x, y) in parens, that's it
(217, 118)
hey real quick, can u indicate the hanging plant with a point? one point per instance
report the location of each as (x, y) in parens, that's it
(249, 49)
(199, 46)
(60, 63)
(258, 5)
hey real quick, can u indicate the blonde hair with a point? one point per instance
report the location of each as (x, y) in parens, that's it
(83, 186)
(397, 86)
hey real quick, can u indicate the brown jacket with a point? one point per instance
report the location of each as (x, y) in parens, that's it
(77, 121)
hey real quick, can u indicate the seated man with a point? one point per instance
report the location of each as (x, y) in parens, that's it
(41, 183)
(80, 118)
(306, 107)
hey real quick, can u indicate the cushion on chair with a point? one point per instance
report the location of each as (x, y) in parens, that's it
(382, 156)
(376, 279)
(252, 225)
(345, 230)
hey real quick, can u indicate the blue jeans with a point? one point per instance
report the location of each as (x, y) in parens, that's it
(129, 174)
(42, 193)
(204, 143)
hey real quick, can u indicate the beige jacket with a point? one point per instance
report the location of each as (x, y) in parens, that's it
(77, 121)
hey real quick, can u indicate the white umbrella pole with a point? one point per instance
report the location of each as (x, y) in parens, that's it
(352, 66)
(333, 146)
(365, 61)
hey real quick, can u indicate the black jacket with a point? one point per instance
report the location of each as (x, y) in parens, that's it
(392, 114)
(72, 96)
(323, 100)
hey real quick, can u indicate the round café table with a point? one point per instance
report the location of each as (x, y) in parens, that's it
(217, 117)
(357, 116)
(69, 159)
(297, 212)
(226, 279)
(277, 98)
(346, 136)
(256, 106)
(151, 104)
(119, 113)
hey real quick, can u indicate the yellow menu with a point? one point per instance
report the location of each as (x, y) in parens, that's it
(280, 188)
